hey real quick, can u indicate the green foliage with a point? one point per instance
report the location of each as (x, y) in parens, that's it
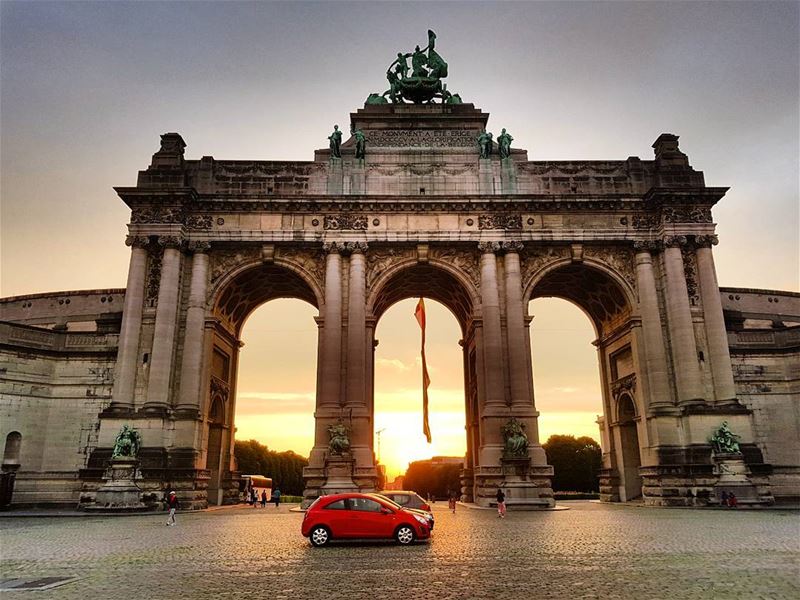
(438, 481)
(285, 468)
(576, 463)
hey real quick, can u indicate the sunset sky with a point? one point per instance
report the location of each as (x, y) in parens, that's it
(87, 88)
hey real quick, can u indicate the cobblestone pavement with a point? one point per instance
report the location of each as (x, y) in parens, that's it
(590, 551)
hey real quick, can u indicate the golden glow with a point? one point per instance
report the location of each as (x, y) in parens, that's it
(277, 376)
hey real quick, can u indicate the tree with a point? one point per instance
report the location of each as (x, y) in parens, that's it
(576, 463)
(436, 480)
(284, 468)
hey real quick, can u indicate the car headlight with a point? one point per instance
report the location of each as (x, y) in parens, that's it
(422, 520)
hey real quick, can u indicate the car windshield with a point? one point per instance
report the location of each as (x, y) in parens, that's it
(388, 500)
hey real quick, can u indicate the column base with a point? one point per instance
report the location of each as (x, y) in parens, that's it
(527, 487)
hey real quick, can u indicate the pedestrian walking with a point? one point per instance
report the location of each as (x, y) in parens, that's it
(276, 497)
(263, 498)
(501, 504)
(452, 503)
(172, 503)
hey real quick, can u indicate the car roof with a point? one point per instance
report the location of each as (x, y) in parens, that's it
(401, 492)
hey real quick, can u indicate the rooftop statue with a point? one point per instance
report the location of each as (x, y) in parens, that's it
(361, 143)
(127, 443)
(485, 144)
(425, 82)
(504, 144)
(335, 142)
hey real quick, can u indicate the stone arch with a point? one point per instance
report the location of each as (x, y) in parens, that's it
(434, 279)
(12, 449)
(250, 284)
(626, 409)
(597, 289)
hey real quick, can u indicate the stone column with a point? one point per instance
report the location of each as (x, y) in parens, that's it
(192, 363)
(128, 353)
(655, 354)
(681, 329)
(716, 334)
(521, 392)
(158, 385)
(331, 365)
(492, 337)
(356, 326)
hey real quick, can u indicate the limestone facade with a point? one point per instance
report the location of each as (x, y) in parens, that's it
(628, 241)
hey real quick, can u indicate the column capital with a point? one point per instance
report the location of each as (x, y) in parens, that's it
(333, 247)
(514, 246)
(137, 241)
(706, 241)
(648, 245)
(355, 247)
(170, 241)
(489, 247)
(675, 241)
(198, 247)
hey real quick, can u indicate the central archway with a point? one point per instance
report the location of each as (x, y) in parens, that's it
(445, 285)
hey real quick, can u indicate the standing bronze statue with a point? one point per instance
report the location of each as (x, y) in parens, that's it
(361, 143)
(504, 144)
(336, 142)
(485, 144)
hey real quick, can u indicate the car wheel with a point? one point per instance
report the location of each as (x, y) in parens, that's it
(320, 536)
(404, 535)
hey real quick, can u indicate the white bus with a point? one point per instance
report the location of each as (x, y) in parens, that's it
(259, 483)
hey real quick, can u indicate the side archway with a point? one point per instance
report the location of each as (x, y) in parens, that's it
(608, 299)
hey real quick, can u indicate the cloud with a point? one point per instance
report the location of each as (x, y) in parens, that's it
(394, 363)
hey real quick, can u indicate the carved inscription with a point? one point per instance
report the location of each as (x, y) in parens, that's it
(402, 138)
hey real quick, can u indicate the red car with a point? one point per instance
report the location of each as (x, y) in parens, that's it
(361, 516)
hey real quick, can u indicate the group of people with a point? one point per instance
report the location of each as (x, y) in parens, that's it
(729, 499)
(254, 498)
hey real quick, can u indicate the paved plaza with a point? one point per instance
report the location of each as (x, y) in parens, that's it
(589, 551)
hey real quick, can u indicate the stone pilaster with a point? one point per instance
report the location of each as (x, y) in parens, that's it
(655, 354)
(128, 353)
(158, 385)
(716, 334)
(520, 380)
(192, 363)
(331, 365)
(681, 329)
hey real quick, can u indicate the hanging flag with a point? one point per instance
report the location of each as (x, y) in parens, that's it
(426, 381)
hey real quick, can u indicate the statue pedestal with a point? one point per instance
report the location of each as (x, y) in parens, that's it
(508, 175)
(734, 478)
(485, 176)
(339, 474)
(335, 184)
(119, 493)
(527, 487)
(358, 177)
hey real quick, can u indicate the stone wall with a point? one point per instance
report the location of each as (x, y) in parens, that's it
(764, 339)
(55, 379)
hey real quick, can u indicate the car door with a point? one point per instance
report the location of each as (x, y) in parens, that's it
(338, 516)
(370, 520)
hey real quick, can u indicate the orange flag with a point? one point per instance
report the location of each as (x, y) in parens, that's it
(426, 381)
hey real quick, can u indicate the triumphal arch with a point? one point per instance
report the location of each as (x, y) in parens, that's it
(421, 200)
